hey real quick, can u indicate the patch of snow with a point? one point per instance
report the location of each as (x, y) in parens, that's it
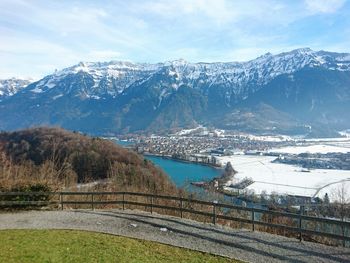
(189, 131)
(57, 96)
(345, 133)
(282, 178)
(324, 140)
(41, 83)
(94, 97)
(37, 90)
(172, 72)
(219, 133)
(161, 96)
(50, 85)
(345, 58)
(319, 148)
(272, 138)
(81, 67)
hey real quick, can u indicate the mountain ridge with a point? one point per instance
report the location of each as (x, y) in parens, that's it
(9, 87)
(133, 97)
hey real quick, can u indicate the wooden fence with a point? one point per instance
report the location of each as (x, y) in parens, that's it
(214, 210)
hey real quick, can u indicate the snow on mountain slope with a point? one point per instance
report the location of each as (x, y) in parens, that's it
(258, 71)
(106, 78)
(238, 78)
(285, 93)
(9, 87)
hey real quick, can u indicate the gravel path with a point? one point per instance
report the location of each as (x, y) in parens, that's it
(235, 243)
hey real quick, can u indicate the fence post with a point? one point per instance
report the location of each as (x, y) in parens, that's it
(151, 204)
(253, 218)
(61, 200)
(92, 201)
(123, 201)
(214, 212)
(343, 230)
(301, 212)
(181, 207)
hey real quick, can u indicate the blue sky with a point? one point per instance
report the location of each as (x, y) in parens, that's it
(37, 37)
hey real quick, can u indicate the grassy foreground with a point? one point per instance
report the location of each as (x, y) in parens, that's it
(80, 246)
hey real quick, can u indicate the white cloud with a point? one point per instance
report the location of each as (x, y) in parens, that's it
(224, 12)
(24, 46)
(39, 36)
(20, 56)
(244, 54)
(218, 11)
(249, 53)
(324, 6)
(102, 55)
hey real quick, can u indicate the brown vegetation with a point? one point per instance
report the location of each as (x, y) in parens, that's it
(59, 159)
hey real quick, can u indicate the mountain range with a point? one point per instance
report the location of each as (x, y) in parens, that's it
(301, 92)
(9, 87)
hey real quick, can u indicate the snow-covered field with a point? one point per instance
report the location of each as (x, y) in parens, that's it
(318, 148)
(286, 179)
(325, 145)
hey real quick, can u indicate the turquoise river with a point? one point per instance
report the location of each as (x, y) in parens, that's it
(182, 173)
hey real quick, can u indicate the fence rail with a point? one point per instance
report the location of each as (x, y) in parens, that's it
(62, 199)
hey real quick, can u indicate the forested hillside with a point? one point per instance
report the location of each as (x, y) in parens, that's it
(54, 158)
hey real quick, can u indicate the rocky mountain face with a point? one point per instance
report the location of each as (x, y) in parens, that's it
(297, 92)
(9, 87)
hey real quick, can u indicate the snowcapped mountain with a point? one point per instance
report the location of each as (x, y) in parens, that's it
(272, 93)
(96, 79)
(112, 78)
(9, 87)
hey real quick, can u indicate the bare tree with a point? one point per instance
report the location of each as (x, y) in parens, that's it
(341, 197)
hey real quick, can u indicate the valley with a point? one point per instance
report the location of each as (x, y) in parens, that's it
(273, 165)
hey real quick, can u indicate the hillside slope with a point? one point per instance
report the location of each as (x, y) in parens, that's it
(58, 159)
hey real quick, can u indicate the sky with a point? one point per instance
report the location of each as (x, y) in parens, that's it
(40, 36)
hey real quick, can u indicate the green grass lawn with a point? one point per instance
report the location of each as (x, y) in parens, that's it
(81, 246)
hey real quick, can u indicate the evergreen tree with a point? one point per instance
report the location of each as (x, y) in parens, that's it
(326, 199)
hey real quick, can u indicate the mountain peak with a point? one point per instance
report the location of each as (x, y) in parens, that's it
(9, 87)
(303, 50)
(176, 62)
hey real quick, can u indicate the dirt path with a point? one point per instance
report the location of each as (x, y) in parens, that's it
(235, 243)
